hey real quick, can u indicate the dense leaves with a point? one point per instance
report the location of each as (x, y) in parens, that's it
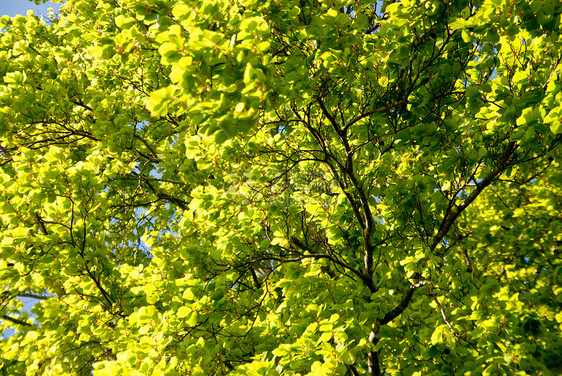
(282, 187)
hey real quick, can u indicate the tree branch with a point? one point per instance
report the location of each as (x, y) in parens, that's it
(366, 221)
(373, 361)
(34, 296)
(15, 321)
(454, 211)
(397, 311)
(353, 370)
(443, 313)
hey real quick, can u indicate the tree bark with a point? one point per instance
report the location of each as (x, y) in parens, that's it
(373, 356)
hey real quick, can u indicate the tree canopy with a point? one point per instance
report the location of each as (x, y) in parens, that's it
(282, 187)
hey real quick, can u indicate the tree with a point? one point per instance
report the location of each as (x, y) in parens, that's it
(282, 187)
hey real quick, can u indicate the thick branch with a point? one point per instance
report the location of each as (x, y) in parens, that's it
(15, 321)
(367, 220)
(41, 224)
(353, 370)
(397, 311)
(373, 361)
(452, 214)
(33, 296)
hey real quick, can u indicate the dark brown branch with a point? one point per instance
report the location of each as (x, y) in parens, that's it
(373, 361)
(82, 104)
(15, 321)
(366, 221)
(97, 281)
(41, 224)
(155, 157)
(353, 370)
(255, 278)
(397, 311)
(33, 296)
(453, 211)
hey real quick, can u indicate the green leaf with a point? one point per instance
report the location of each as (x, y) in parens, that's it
(160, 100)
(278, 188)
(184, 311)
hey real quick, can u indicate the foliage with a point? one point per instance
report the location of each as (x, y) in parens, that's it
(209, 187)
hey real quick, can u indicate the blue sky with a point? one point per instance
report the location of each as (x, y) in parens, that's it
(13, 7)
